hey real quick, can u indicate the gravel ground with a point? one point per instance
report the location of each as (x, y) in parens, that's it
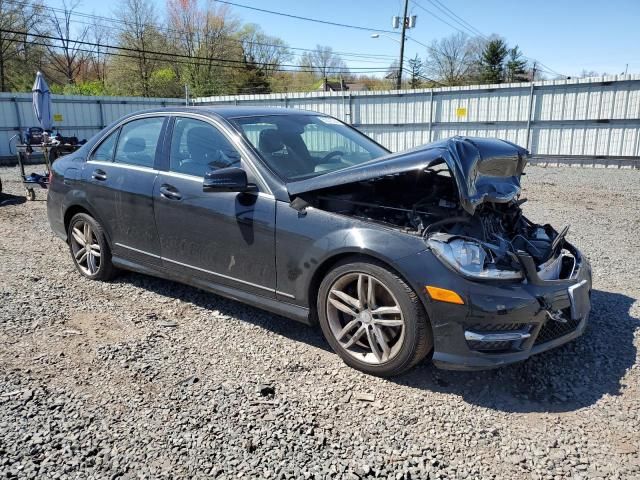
(145, 378)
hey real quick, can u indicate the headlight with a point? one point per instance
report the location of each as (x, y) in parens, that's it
(470, 259)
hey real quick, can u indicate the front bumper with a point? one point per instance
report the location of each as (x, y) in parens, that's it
(533, 316)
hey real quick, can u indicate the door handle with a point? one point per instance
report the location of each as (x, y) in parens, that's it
(99, 174)
(169, 192)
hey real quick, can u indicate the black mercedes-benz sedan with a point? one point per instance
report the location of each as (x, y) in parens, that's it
(395, 256)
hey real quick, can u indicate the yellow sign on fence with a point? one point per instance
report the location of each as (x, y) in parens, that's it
(57, 117)
(461, 112)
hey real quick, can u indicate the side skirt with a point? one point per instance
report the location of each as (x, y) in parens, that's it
(294, 312)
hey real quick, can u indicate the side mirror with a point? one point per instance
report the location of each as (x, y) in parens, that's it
(230, 179)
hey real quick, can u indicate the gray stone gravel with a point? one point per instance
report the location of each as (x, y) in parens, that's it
(145, 378)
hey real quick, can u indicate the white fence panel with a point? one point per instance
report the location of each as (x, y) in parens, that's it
(82, 116)
(583, 117)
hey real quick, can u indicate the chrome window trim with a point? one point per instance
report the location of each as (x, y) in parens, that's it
(233, 136)
(126, 166)
(118, 125)
(227, 277)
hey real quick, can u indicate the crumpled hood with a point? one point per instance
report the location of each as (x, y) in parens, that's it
(485, 169)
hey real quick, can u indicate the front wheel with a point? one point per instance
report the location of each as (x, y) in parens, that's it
(89, 248)
(372, 318)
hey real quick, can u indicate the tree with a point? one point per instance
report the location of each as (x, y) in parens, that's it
(492, 61)
(66, 54)
(516, 66)
(17, 23)
(590, 73)
(323, 62)
(416, 72)
(392, 73)
(253, 79)
(263, 51)
(450, 60)
(101, 36)
(207, 37)
(140, 34)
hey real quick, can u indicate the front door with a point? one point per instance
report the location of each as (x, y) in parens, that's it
(226, 238)
(120, 176)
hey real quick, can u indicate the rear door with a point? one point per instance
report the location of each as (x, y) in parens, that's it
(226, 238)
(120, 175)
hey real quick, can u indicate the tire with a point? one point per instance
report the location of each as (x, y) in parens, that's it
(392, 315)
(95, 264)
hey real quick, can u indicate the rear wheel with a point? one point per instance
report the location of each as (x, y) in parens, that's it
(89, 248)
(372, 318)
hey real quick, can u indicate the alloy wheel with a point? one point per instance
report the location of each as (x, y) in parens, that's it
(85, 248)
(365, 318)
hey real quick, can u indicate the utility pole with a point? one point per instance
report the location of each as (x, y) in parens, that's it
(533, 71)
(404, 29)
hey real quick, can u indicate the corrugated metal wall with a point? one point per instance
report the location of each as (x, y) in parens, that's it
(81, 116)
(583, 117)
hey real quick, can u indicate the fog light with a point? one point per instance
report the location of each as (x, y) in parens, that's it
(444, 295)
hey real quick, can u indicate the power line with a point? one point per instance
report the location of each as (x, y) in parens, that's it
(169, 54)
(424, 77)
(468, 28)
(420, 43)
(362, 58)
(451, 14)
(223, 84)
(182, 62)
(179, 33)
(439, 18)
(307, 19)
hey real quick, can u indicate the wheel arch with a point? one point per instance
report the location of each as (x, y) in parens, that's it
(330, 262)
(76, 208)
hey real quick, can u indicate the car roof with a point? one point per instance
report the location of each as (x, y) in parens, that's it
(232, 111)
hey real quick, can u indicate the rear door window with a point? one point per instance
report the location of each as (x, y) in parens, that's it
(105, 150)
(138, 142)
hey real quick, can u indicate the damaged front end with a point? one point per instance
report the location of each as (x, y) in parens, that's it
(462, 196)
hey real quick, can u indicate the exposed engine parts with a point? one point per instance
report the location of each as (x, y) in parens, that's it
(427, 204)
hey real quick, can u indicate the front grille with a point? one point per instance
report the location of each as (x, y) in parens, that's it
(552, 329)
(493, 347)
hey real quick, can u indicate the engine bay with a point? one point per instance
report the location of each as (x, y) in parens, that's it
(426, 203)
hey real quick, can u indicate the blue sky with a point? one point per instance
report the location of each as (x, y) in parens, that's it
(566, 35)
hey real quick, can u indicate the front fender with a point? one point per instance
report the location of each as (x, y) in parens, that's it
(306, 241)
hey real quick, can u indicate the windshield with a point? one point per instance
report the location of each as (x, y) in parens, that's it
(303, 146)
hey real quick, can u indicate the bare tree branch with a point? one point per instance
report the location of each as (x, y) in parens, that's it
(66, 54)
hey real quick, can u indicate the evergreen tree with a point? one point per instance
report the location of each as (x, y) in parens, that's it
(492, 61)
(253, 79)
(516, 66)
(416, 71)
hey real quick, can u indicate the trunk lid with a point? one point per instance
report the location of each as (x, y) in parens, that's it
(484, 169)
